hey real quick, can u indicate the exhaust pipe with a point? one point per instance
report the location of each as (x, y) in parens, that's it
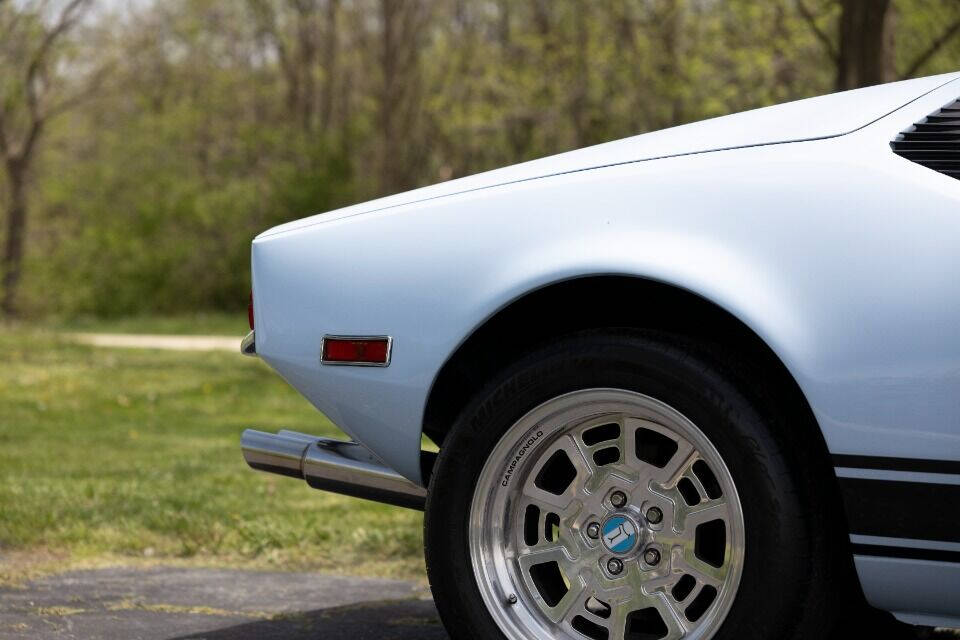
(330, 465)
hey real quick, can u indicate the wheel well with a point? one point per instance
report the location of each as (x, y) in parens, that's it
(697, 324)
(599, 302)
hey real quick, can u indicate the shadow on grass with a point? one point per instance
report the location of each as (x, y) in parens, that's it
(395, 620)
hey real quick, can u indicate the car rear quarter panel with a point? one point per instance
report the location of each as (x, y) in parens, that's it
(837, 253)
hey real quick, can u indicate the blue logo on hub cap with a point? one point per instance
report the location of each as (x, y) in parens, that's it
(619, 534)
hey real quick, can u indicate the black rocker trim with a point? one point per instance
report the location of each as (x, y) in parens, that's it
(909, 553)
(917, 465)
(895, 509)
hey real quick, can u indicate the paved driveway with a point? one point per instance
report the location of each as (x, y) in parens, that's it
(226, 604)
(214, 604)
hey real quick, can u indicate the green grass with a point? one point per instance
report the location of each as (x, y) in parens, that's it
(120, 454)
(207, 323)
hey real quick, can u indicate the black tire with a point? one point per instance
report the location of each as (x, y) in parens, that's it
(785, 589)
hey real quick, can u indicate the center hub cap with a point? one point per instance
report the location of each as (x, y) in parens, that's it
(620, 534)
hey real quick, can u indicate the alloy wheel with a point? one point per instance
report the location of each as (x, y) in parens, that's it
(605, 514)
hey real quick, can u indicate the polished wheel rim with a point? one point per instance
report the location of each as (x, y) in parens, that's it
(606, 514)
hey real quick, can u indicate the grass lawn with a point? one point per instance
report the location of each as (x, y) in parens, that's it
(225, 324)
(132, 456)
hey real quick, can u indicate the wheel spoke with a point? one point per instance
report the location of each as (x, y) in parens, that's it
(686, 519)
(706, 511)
(618, 620)
(579, 609)
(584, 470)
(661, 583)
(621, 443)
(546, 499)
(574, 597)
(703, 572)
(679, 465)
(685, 560)
(679, 462)
(589, 615)
(556, 553)
(582, 460)
(673, 617)
(563, 506)
(571, 571)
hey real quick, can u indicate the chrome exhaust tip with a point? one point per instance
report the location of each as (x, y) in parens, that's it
(347, 468)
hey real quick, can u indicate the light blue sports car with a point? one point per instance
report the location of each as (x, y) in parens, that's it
(700, 383)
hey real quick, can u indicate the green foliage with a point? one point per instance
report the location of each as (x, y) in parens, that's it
(219, 120)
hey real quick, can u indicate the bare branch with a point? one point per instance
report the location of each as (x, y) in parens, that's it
(931, 51)
(35, 73)
(68, 17)
(91, 87)
(822, 36)
(267, 27)
(10, 26)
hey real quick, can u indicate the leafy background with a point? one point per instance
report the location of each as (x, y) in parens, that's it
(172, 132)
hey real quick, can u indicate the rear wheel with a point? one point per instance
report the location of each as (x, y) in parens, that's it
(613, 486)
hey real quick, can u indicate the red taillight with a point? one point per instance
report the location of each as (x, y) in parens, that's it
(371, 351)
(250, 311)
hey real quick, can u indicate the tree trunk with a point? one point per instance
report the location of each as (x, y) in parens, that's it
(330, 71)
(404, 24)
(580, 91)
(389, 181)
(864, 40)
(12, 261)
(306, 64)
(670, 63)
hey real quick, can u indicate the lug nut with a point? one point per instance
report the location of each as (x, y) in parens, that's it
(654, 515)
(512, 598)
(651, 557)
(615, 566)
(593, 530)
(618, 499)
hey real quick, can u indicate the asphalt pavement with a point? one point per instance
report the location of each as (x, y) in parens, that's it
(215, 604)
(168, 603)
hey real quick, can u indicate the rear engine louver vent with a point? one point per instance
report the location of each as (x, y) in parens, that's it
(934, 142)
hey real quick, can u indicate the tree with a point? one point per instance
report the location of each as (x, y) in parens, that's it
(220, 119)
(862, 50)
(949, 32)
(33, 92)
(403, 29)
(863, 55)
(303, 34)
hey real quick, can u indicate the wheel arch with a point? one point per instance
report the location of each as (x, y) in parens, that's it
(546, 313)
(538, 316)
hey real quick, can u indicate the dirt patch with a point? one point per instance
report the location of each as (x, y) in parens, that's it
(148, 341)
